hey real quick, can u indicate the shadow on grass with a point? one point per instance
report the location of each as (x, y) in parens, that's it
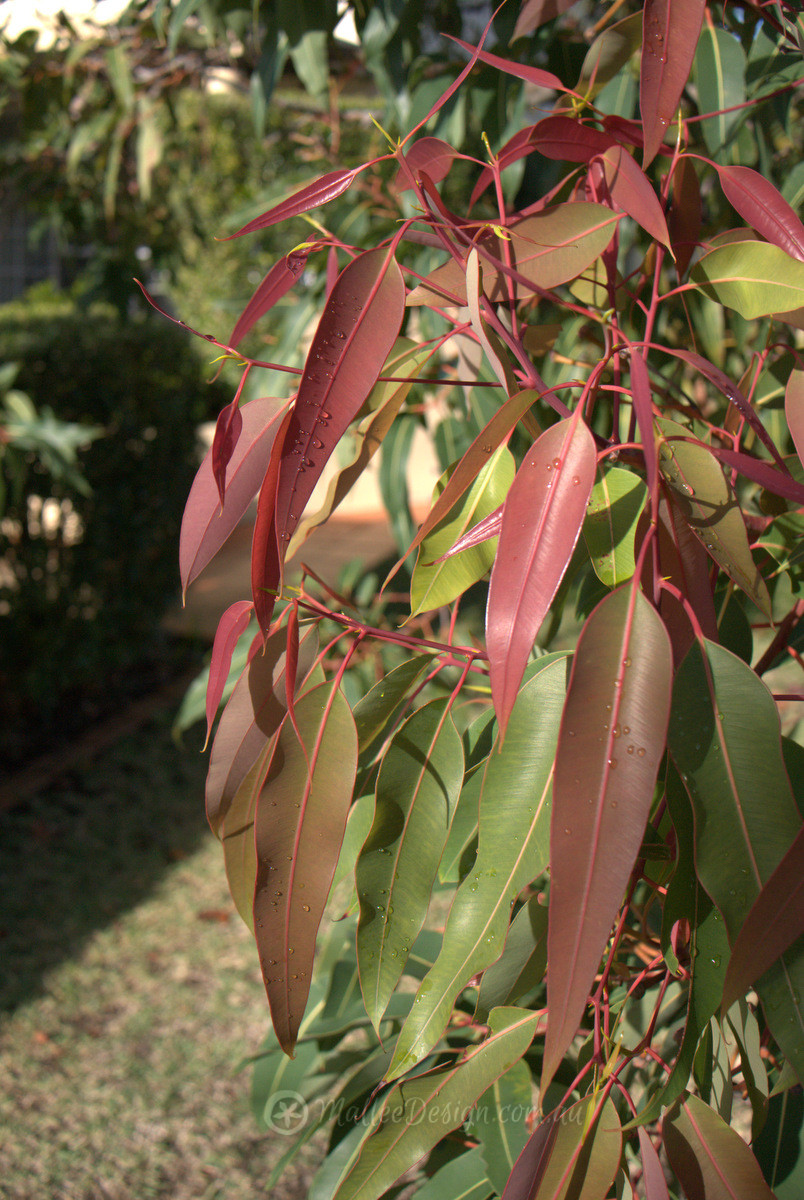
(91, 846)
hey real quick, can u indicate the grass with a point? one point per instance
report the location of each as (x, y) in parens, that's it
(131, 992)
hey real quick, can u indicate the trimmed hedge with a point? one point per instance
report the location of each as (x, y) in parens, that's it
(87, 594)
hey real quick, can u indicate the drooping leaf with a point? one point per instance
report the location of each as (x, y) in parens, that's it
(534, 13)
(434, 582)
(251, 718)
(733, 394)
(266, 562)
(542, 521)
(608, 54)
(575, 1163)
(375, 711)
(381, 407)
(684, 219)
(710, 1159)
(719, 74)
(231, 626)
(299, 827)
(279, 280)
(522, 963)
(418, 1113)
(498, 1122)
(609, 527)
(760, 204)
(630, 190)
(206, 524)
(228, 428)
(708, 949)
(653, 1179)
(236, 832)
(774, 921)
(724, 722)
(319, 192)
(417, 789)
(568, 140)
(708, 504)
(493, 434)
(794, 410)
(354, 337)
(512, 851)
(671, 31)
(755, 278)
(611, 743)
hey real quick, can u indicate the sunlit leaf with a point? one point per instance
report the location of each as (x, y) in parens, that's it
(299, 827)
(253, 714)
(577, 1163)
(541, 523)
(380, 408)
(321, 191)
(708, 504)
(498, 1122)
(794, 409)
(631, 191)
(610, 524)
(719, 74)
(761, 205)
(671, 29)
(710, 1159)
(417, 789)
(512, 851)
(418, 1113)
(231, 627)
(277, 283)
(206, 524)
(755, 278)
(611, 743)
(464, 1178)
(435, 583)
(354, 337)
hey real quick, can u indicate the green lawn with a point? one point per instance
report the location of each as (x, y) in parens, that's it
(130, 992)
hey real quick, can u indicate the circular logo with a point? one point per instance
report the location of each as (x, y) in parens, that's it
(285, 1113)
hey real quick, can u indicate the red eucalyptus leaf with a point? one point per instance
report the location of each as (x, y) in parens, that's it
(355, 335)
(332, 270)
(428, 154)
(774, 922)
(671, 29)
(653, 1179)
(494, 433)
(532, 75)
(279, 280)
(489, 527)
(684, 218)
(532, 1163)
(567, 140)
(266, 565)
(709, 1158)
(319, 192)
(761, 472)
(251, 718)
(227, 433)
(538, 12)
(541, 523)
(299, 827)
(683, 562)
(761, 205)
(611, 742)
(794, 410)
(631, 190)
(206, 524)
(732, 393)
(232, 624)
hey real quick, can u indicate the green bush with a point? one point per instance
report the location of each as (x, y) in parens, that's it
(87, 577)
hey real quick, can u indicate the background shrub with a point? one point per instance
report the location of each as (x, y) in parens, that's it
(86, 578)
